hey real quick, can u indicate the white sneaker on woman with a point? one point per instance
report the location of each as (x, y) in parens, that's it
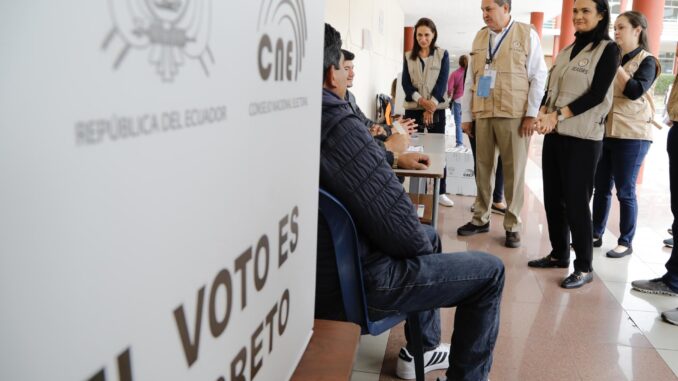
(445, 201)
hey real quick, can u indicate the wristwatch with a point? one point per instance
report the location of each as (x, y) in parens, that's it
(560, 115)
(395, 161)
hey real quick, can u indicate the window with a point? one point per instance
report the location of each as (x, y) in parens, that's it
(671, 11)
(666, 59)
(615, 7)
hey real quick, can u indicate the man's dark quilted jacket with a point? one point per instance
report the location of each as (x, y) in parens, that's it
(353, 168)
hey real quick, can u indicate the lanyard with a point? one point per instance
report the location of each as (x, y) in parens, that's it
(489, 60)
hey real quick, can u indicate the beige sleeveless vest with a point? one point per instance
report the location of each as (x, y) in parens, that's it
(569, 80)
(672, 104)
(509, 97)
(425, 80)
(632, 119)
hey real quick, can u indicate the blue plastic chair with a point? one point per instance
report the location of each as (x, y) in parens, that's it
(348, 253)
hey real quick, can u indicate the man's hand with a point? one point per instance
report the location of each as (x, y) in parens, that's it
(467, 127)
(413, 160)
(377, 129)
(409, 124)
(528, 127)
(397, 143)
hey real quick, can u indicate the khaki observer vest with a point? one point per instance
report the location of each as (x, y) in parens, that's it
(632, 119)
(672, 104)
(425, 80)
(509, 97)
(569, 80)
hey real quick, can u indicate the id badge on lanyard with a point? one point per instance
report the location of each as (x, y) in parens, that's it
(489, 77)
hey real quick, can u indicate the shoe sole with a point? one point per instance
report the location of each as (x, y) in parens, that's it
(499, 212)
(512, 245)
(410, 376)
(468, 233)
(645, 291)
(612, 254)
(559, 266)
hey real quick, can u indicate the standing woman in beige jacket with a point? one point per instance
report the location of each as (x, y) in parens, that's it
(628, 132)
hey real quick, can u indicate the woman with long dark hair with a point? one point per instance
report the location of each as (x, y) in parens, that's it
(628, 132)
(425, 72)
(572, 116)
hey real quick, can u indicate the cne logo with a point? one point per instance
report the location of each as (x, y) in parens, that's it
(172, 32)
(583, 62)
(282, 47)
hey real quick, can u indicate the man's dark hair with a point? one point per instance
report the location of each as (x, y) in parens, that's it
(332, 51)
(427, 22)
(502, 2)
(348, 56)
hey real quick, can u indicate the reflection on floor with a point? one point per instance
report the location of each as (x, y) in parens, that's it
(602, 331)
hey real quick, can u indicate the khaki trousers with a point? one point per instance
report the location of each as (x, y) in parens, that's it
(499, 136)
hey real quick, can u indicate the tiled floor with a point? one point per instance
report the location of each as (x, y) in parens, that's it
(603, 331)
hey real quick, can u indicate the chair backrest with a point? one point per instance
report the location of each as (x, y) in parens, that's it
(347, 249)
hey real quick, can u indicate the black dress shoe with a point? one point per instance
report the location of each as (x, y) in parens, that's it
(614, 254)
(548, 262)
(577, 279)
(598, 241)
(470, 229)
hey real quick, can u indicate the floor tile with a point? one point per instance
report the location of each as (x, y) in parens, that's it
(671, 359)
(661, 334)
(532, 359)
(638, 301)
(371, 353)
(603, 362)
(362, 376)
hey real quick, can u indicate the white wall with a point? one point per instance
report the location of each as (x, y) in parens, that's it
(378, 65)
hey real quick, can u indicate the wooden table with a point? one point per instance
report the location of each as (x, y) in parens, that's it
(434, 148)
(331, 352)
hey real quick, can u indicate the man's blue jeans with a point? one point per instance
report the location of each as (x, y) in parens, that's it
(619, 166)
(456, 113)
(471, 281)
(671, 276)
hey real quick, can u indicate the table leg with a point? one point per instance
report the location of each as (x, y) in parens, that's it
(436, 190)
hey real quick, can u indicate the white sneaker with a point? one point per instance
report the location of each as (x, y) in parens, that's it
(445, 201)
(433, 360)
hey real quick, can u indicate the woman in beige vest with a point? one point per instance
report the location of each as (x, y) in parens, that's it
(425, 72)
(572, 116)
(628, 132)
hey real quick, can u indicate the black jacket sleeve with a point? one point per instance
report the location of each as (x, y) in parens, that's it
(642, 79)
(602, 79)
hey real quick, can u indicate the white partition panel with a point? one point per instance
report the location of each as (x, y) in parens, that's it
(158, 188)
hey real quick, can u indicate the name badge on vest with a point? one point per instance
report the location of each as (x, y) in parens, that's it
(484, 86)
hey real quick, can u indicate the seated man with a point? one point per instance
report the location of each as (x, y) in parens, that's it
(404, 271)
(385, 136)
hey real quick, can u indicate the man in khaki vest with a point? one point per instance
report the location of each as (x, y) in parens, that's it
(503, 90)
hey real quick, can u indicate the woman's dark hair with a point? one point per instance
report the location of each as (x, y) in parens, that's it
(637, 19)
(463, 61)
(332, 50)
(431, 25)
(602, 30)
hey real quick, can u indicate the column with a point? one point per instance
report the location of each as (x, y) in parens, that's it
(409, 38)
(622, 6)
(654, 11)
(556, 41)
(566, 25)
(537, 20)
(675, 61)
